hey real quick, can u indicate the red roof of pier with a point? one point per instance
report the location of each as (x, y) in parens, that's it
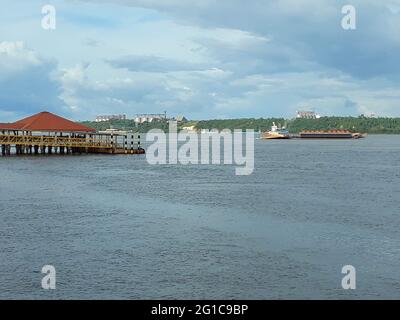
(5, 125)
(46, 121)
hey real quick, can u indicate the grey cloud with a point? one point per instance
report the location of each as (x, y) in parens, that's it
(28, 82)
(140, 63)
(311, 29)
(188, 92)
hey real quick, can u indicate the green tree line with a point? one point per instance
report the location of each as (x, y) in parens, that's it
(128, 125)
(355, 124)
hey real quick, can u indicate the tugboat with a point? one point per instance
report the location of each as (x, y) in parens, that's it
(276, 132)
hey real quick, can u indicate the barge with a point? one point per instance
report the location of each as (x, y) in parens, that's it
(329, 134)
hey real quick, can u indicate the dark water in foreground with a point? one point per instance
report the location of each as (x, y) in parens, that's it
(116, 227)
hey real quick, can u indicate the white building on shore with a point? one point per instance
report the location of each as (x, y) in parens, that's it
(150, 117)
(307, 115)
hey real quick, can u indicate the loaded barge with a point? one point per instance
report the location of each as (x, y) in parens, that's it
(278, 132)
(329, 134)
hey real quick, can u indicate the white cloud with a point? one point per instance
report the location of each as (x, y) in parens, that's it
(14, 57)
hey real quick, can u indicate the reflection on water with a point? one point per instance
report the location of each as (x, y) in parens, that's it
(117, 227)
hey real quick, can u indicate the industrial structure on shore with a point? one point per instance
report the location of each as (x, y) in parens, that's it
(105, 118)
(48, 133)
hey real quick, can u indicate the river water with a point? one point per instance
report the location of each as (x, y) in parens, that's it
(115, 227)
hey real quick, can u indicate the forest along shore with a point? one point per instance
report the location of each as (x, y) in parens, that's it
(354, 124)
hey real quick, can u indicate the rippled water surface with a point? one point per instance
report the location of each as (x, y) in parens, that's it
(116, 227)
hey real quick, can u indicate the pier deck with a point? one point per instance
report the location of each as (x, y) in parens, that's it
(30, 144)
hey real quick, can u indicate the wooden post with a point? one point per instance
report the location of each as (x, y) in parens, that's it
(138, 143)
(126, 143)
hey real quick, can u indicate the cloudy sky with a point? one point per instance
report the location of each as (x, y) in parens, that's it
(203, 59)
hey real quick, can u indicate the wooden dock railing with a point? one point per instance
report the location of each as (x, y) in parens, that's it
(54, 141)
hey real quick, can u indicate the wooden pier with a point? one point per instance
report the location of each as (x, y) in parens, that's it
(29, 144)
(46, 133)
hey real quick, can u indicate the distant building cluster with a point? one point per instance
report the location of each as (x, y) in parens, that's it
(110, 117)
(369, 115)
(142, 118)
(307, 115)
(150, 117)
